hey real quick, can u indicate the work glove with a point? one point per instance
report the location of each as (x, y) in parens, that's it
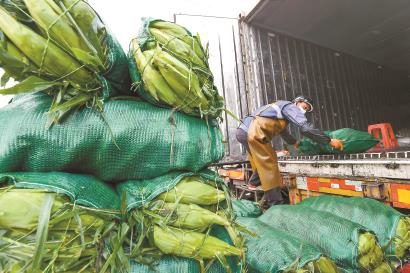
(336, 144)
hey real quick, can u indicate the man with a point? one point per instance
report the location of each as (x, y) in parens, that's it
(257, 130)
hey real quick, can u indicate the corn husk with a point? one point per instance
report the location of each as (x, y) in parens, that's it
(192, 190)
(178, 47)
(383, 268)
(42, 231)
(45, 55)
(191, 244)
(370, 254)
(57, 47)
(91, 26)
(402, 238)
(175, 30)
(182, 61)
(189, 216)
(175, 223)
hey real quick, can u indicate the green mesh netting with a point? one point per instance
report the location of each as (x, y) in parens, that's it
(167, 264)
(246, 208)
(372, 214)
(144, 37)
(83, 190)
(117, 75)
(337, 237)
(274, 250)
(132, 140)
(354, 142)
(173, 264)
(140, 192)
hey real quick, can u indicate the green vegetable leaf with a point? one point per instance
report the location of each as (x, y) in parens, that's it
(88, 59)
(4, 79)
(31, 84)
(42, 231)
(70, 104)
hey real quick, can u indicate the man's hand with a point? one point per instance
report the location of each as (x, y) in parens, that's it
(336, 144)
(296, 145)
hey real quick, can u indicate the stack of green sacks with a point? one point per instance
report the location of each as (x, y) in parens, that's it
(72, 222)
(391, 227)
(184, 215)
(133, 140)
(167, 212)
(58, 222)
(273, 250)
(353, 247)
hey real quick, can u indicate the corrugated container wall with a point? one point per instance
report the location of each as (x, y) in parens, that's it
(347, 91)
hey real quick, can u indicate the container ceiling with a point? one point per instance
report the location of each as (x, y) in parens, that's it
(375, 30)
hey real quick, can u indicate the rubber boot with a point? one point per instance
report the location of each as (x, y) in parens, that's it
(273, 197)
(254, 181)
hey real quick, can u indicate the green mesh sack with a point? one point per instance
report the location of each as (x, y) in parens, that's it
(132, 140)
(117, 75)
(58, 222)
(75, 59)
(391, 227)
(354, 142)
(246, 208)
(83, 190)
(273, 250)
(191, 88)
(141, 192)
(348, 244)
(173, 264)
(167, 264)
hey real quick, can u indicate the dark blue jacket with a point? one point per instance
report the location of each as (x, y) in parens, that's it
(290, 112)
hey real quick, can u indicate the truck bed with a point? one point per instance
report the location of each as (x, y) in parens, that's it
(377, 165)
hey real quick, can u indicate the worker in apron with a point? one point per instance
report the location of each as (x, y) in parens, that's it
(256, 131)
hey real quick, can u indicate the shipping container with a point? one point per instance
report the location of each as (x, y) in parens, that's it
(351, 57)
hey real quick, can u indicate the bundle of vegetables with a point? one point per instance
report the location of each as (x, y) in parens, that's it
(60, 47)
(350, 245)
(42, 231)
(147, 143)
(178, 222)
(173, 67)
(273, 250)
(391, 227)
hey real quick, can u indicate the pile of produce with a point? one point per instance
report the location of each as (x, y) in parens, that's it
(63, 49)
(136, 195)
(350, 245)
(43, 231)
(142, 143)
(354, 141)
(391, 227)
(178, 216)
(169, 67)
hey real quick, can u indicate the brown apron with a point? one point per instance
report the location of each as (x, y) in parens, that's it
(262, 157)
